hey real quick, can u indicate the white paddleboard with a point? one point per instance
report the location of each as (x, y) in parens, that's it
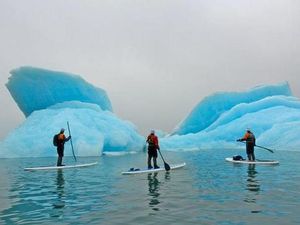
(264, 162)
(138, 171)
(60, 167)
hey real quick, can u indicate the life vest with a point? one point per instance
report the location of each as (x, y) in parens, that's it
(61, 138)
(152, 140)
(250, 138)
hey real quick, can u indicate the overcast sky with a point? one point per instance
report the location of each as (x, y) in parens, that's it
(156, 59)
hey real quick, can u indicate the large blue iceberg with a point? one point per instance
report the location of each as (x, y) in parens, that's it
(35, 89)
(49, 99)
(211, 107)
(216, 122)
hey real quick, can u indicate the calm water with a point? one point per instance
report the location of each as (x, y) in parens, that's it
(207, 191)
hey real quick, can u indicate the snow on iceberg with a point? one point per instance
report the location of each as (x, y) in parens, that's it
(93, 131)
(36, 89)
(210, 108)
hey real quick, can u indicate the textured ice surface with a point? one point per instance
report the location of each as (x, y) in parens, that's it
(35, 89)
(49, 99)
(213, 106)
(93, 131)
(270, 111)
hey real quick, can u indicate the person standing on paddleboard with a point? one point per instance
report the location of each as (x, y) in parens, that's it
(61, 139)
(250, 143)
(153, 146)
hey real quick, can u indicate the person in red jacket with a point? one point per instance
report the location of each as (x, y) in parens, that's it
(153, 146)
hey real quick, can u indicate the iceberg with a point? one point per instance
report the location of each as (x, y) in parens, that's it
(49, 99)
(211, 107)
(93, 132)
(271, 112)
(35, 89)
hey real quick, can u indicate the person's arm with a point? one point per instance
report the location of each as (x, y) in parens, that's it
(68, 138)
(243, 138)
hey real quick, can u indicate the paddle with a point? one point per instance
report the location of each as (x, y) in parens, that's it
(71, 141)
(270, 150)
(167, 167)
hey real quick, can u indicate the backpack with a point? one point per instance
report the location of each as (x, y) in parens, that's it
(55, 139)
(238, 158)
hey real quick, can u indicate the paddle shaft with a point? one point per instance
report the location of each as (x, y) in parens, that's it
(270, 150)
(71, 142)
(167, 167)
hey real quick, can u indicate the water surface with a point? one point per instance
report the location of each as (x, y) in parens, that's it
(207, 191)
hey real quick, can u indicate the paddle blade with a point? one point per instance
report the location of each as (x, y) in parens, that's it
(167, 167)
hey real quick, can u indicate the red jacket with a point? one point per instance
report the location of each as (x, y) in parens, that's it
(153, 140)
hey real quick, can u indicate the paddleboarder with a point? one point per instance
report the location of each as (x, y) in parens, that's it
(250, 143)
(153, 146)
(61, 140)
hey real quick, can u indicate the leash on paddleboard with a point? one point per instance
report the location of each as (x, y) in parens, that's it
(268, 149)
(167, 167)
(71, 141)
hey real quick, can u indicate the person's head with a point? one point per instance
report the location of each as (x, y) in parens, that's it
(152, 132)
(62, 130)
(248, 130)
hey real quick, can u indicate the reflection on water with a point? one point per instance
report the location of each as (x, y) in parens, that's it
(153, 184)
(253, 186)
(252, 182)
(154, 189)
(60, 184)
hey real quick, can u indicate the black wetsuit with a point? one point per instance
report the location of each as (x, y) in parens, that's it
(250, 143)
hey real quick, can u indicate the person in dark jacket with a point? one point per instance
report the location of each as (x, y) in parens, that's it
(153, 146)
(250, 143)
(61, 139)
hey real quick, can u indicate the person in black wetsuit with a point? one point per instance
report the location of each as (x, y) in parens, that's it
(61, 139)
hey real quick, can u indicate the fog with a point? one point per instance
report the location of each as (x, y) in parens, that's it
(155, 59)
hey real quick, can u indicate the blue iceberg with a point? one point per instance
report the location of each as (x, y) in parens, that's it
(49, 99)
(271, 112)
(210, 108)
(93, 130)
(35, 89)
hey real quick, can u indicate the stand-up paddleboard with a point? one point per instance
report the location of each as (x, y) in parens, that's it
(60, 167)
(263, 162)
(138, 171)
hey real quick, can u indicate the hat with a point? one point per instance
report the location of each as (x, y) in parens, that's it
(152, 132)
(62, 130)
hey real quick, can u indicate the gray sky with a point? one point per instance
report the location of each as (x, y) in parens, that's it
(156, 59)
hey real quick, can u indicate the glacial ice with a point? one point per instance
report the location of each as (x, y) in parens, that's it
(211, 107)
(35, 89)
(49, 99)
(93, 131)
(271, 112)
